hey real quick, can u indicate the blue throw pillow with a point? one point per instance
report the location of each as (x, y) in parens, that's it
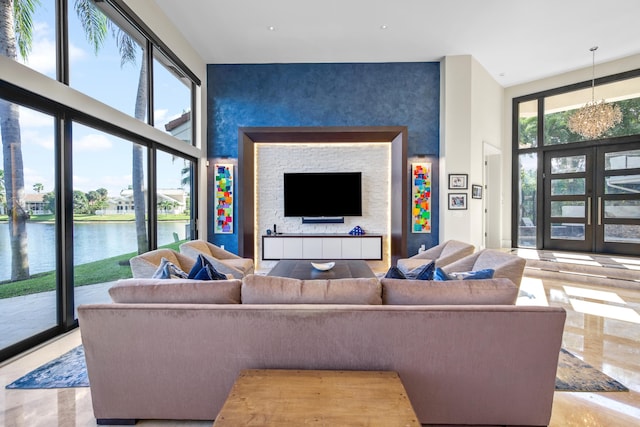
(394, 273)
(168, 270)
(487, 273)
(440, 275)
(204, 270)
(200, 262)
(424, 272)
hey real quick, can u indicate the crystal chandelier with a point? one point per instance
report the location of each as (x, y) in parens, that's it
(596, 117)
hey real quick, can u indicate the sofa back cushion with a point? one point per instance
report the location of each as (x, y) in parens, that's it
(284, 290)
(452, 292)
(176, 291)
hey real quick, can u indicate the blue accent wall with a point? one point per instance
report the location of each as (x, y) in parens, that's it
(378, 94)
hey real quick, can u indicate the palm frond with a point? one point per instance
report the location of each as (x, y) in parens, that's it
(93, 21)
(23, 20)
(127, 48)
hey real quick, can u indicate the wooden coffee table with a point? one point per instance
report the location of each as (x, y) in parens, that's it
(277, 397)
(302, 269)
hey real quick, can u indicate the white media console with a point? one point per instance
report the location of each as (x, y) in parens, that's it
(321, 246)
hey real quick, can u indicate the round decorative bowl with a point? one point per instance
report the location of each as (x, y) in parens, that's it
(325, 266)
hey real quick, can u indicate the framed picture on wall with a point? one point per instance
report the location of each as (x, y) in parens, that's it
(457, 201)
(458, 181)
(476, 191)
(223, 198)
(421, 197)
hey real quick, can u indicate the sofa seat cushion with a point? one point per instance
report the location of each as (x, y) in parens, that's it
(283, 290)
(176, 291)
(498, 291)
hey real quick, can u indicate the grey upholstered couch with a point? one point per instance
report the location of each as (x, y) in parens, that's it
(177, 355)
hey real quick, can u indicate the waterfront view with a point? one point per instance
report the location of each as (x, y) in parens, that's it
(93, 241)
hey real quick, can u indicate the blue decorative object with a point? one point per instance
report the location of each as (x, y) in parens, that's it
(357, 231)
(204, 270)
(394, 273)
(168, 270)
(424, 272)
(68, 370)
(487, 273)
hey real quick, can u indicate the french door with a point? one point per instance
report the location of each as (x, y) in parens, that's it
(592, 199)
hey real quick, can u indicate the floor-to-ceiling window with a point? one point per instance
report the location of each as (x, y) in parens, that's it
(79, 194)
(572, 192)
(27, 223)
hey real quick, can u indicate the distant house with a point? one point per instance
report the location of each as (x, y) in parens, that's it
(35, 204)
(180, 127)
(123, 204)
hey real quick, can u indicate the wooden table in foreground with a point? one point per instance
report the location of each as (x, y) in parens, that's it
(279, 397)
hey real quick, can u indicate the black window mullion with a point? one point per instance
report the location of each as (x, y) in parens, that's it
(149, 58)
(64, 223)
(62, 41)
(152, 199)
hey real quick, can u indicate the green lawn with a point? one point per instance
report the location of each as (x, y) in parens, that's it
(105, 270)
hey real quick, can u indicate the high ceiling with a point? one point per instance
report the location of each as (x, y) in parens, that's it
(516, 41)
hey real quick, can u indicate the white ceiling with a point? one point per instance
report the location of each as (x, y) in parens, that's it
(516, 41)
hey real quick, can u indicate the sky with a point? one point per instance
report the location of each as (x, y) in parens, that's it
(99, 160)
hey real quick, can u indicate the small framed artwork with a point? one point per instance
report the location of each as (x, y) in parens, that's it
(458, 181)
(476, 191)
(223, 194)
(457, 201)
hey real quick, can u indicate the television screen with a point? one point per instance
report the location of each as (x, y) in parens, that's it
(323, 194)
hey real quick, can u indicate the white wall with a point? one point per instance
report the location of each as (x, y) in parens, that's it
(273, 160)
(471, 116)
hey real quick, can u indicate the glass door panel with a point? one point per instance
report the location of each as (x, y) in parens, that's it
(592, 199)
(568, 207)
(618, 199)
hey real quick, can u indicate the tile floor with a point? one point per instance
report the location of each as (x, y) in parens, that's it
(603, 328)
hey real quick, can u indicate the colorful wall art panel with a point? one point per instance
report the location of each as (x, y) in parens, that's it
(421, 197)
(224, 198)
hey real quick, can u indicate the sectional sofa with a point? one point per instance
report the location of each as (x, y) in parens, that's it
(464, 352)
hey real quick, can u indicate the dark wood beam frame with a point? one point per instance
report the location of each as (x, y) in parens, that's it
(395, 135)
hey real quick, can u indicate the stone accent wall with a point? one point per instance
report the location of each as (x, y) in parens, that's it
(274, 160)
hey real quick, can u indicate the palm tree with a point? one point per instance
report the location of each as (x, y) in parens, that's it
(38, 187)
(16, 30)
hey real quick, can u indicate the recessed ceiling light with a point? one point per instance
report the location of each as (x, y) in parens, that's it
(271, 28)
(384, 27)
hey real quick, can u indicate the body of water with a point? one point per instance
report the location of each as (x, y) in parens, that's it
(92, 242)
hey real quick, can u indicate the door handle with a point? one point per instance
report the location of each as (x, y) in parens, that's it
(599, 210)
(588, 210)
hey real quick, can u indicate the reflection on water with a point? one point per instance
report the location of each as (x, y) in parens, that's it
(92, 242)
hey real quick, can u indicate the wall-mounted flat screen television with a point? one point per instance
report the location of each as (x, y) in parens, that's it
(323, 194)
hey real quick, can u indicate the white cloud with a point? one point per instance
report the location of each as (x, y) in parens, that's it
(160, 118)
(92, 142)
(42, 57)
(31, 119)
(34, 137)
